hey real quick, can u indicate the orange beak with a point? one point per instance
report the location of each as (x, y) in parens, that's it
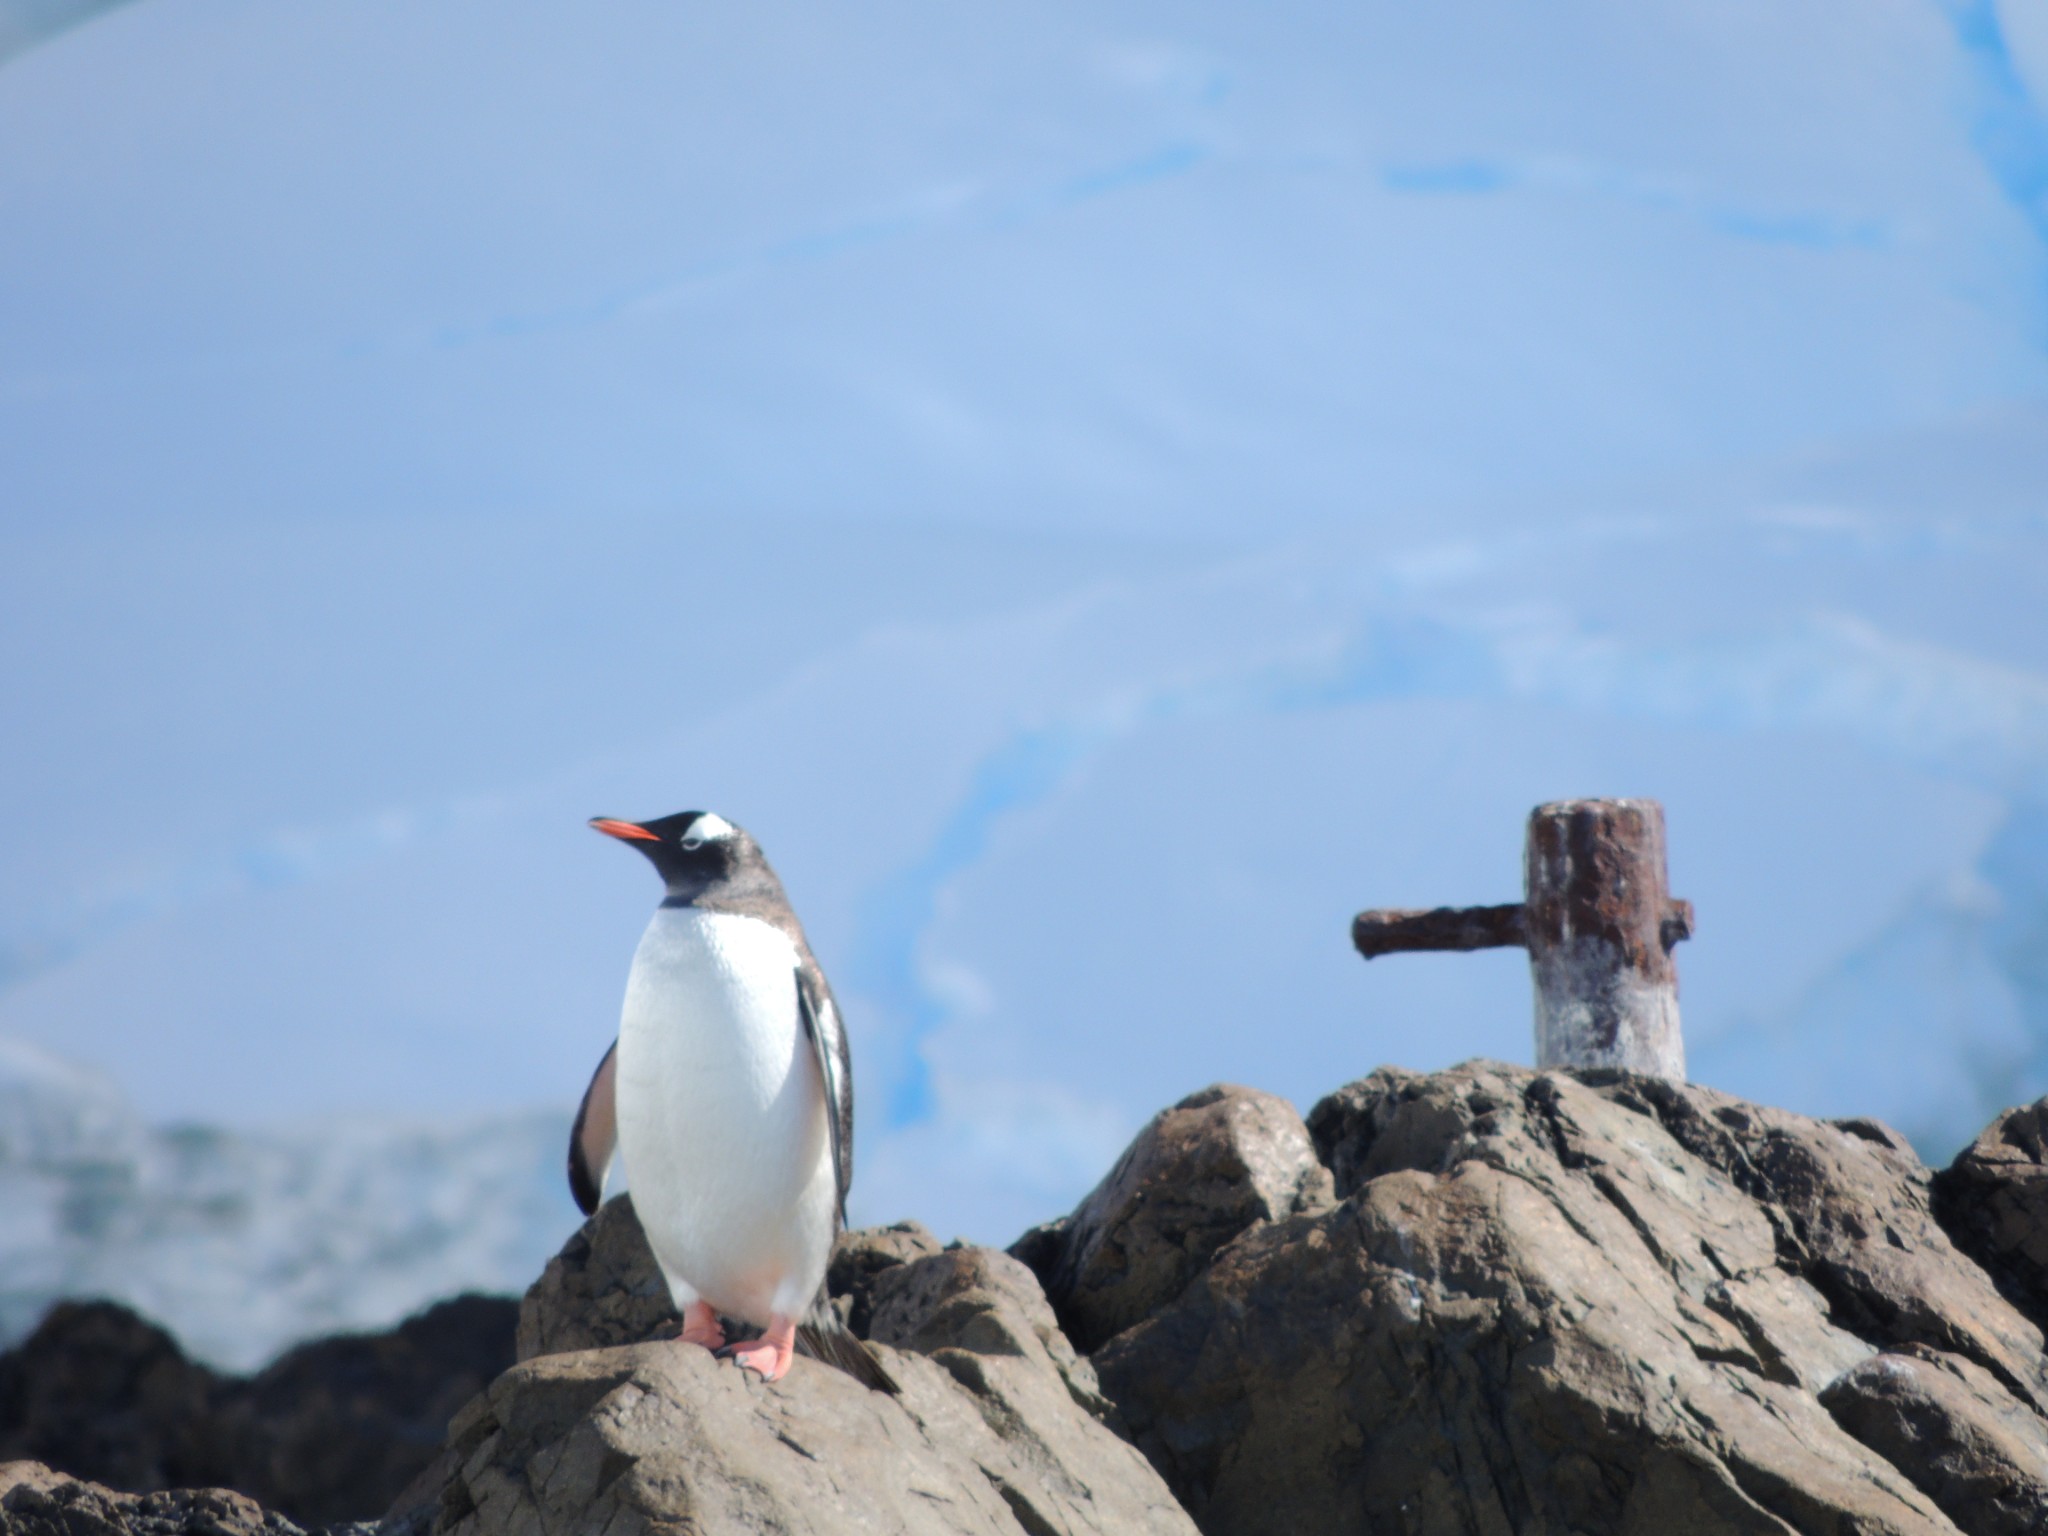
(624, 829)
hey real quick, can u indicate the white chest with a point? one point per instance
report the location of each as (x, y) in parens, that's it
(722, 1112)
(711, 1007)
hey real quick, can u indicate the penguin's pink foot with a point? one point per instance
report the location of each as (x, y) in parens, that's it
(700, 1326)
(771, 1353)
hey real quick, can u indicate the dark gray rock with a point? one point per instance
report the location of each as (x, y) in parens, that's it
(104, 1395)
(862, 1257)
(1039, 1249)
(997, 1429)
(974, 1299)
(1947, 1424)
(37, 1501)
(602, 1289)
(330, 1431)
(1993, 1199)
(1549, 1303)
(1215, 1164)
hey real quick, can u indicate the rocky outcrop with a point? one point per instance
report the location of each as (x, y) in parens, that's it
(37, 1501)
(1994, 1201)
(331, 1430)
(105, 1395)
(1485, 1300)
(601, 1290)
(999, 1426)
(860, 1259)
(1598, 1304)
(1214, 1164)
(1946, 1423)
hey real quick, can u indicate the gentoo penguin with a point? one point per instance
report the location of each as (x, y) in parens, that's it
(730, 1094)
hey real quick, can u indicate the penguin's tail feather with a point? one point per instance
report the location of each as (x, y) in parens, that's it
(824, 1338)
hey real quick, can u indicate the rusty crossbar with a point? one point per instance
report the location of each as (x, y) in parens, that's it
(1599, 922)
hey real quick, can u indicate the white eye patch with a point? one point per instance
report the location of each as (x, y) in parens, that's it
(708, 828)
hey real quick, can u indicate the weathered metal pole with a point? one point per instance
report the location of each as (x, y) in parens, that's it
(1599, 923)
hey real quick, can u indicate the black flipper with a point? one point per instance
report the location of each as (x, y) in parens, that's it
(821, 1335)
(595, 1135)
(835, 1068)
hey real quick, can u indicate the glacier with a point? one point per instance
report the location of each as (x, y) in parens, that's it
(243, 1243)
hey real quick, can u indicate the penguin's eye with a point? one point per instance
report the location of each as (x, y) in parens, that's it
(707, 828)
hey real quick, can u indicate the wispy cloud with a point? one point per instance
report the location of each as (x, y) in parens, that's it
(277, 861)
(2010, 130)
(917, 214)
(1946, 712)
(1484, 175)
(926, 212)
(2008, 127)
(1315, 629)
(24, 23)
(1935, 1021)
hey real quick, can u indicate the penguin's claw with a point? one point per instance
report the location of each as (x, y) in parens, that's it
(770, 1354)
(764, 1358)
(701, 1326)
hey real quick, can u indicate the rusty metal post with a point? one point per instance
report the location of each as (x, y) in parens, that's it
(1599, 923)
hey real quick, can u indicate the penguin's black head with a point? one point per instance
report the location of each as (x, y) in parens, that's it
(692, 850)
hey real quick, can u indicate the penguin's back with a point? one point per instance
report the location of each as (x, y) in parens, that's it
(721, 1113)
